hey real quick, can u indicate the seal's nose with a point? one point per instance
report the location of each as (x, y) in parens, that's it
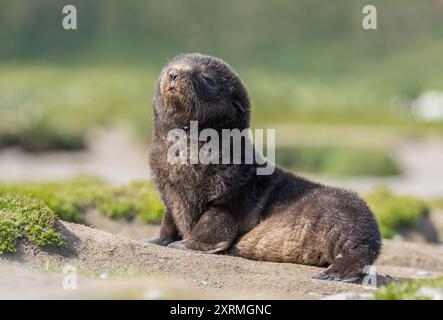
(173, 74)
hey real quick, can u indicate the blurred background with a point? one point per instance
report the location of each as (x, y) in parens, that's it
(352, 107)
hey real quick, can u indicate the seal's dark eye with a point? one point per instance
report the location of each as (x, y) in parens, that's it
(209, 81)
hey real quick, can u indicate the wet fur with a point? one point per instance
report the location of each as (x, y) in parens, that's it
(229, 208)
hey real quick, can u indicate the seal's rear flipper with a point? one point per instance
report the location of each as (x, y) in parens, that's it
(346, 267)
(323, 276)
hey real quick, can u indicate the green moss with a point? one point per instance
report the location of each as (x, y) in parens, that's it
(70, 200)
(143, 199)
(24, 217)
(394, 212)
(8, 233)
(135, 200)
(408, 290)
(337, 160)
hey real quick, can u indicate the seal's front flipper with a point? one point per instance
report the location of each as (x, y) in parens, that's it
(323, 276)
(160, 241)
(179, 245)
(191, 245)
(214, 232)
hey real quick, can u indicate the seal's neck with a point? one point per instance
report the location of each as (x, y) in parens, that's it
(162, 125)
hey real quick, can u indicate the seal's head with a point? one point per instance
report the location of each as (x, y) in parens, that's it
(196, 87)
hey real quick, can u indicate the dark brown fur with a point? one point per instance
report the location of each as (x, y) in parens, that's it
(229, 208)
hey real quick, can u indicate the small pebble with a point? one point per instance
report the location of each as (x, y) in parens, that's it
(104, 275)
(153, 294)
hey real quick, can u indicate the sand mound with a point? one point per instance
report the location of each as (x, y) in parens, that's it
(203, 275)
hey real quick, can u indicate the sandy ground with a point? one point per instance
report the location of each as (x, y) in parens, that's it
(133, 230)
(175, 273)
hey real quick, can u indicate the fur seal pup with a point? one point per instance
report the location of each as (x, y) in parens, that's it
(228, 208)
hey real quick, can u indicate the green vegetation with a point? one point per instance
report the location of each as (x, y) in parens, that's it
(437, 203)
(39, 112)
(24, 217)
(40, 136)
(138, 199)
(409, 289)
(302, 62)
(43, 109)
(70, 200)
(339, 161)
(394, 212)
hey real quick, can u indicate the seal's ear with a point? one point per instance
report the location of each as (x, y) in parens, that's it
(239, 106)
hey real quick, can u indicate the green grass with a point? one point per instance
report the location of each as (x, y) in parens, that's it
(394, 212)
(70, 200)
(26, 218)
(337, 160)
(408, 290)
